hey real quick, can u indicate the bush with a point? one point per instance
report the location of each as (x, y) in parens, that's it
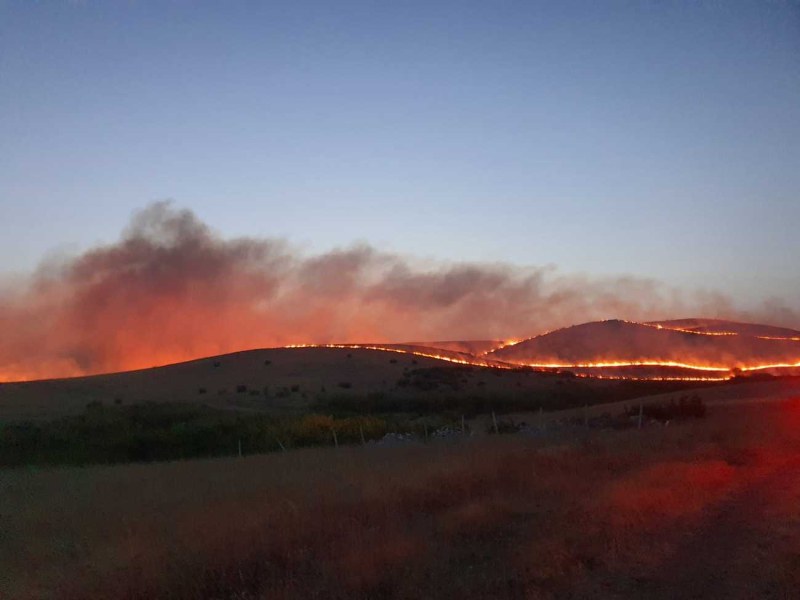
(687, 407)
(166, 431)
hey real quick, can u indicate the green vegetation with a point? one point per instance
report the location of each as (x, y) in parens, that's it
(444, 391)
(162, 431)
(422, 400)
(686, 407)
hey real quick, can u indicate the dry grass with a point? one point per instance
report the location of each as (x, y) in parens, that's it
(296, 378)
(617, 514)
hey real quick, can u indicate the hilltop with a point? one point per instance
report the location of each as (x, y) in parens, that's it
(700, 343)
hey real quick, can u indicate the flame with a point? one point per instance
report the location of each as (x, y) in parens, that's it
(722, 372)
(633, 378)
(716, 333)
(618, 364)
(684, 330)
(505, 344)
(447, 358)
(171, 290)
(772, 366)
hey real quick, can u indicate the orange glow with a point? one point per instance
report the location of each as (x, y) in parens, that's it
(170, 290)
(682, 330)
(773, 366)
(722, 372)
(466, 360)
(505, 344)
(706, 372)
(616, 364)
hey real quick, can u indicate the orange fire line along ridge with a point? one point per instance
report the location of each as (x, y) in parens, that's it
(721, 372)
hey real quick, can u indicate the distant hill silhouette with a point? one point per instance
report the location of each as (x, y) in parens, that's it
(681, 341)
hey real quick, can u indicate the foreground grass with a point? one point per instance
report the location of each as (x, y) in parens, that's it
(613, 514)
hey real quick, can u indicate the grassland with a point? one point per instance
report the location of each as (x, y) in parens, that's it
(703, 509)
(296, 380)
(270, 400)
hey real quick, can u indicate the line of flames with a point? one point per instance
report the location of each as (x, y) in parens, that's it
(729, 371)
(514, 342)
(718, 333)
(722, 372)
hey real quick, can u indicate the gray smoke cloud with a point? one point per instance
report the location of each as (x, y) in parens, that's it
(171, 289)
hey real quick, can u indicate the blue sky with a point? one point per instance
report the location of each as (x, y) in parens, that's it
(653, 139)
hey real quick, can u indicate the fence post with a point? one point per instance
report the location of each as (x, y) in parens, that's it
(335, 439)
(494, 422)
(361, 431)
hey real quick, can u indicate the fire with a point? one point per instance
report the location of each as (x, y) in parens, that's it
(772, 366)
(171, 290)
(720, 372)
(447, 358)
(716, 333)
(619, 364)
(505, 344)
(693, 332)
(631, 378)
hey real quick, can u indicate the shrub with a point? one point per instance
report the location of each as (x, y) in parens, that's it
(313, 430)
(687, 407)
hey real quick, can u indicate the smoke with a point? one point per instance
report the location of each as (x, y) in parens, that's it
(171, 289)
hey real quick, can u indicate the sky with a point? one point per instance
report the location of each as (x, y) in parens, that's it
(654, 139)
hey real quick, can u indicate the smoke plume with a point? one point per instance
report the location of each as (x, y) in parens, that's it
(171, 289)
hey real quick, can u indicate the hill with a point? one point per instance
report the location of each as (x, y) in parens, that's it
(332, 379)
(691, 344)
(722, 327)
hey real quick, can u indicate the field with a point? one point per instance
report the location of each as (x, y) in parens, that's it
(703, 508)
(291, 380)
(271, 400)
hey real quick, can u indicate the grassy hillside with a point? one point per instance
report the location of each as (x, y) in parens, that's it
(291, 377)
(615, 340)
(296, 380)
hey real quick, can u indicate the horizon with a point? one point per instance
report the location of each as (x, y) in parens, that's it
(172, 289)
(350, 172)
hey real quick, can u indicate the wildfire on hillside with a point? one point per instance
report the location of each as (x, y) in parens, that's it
(171, 290)
(658, 370)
